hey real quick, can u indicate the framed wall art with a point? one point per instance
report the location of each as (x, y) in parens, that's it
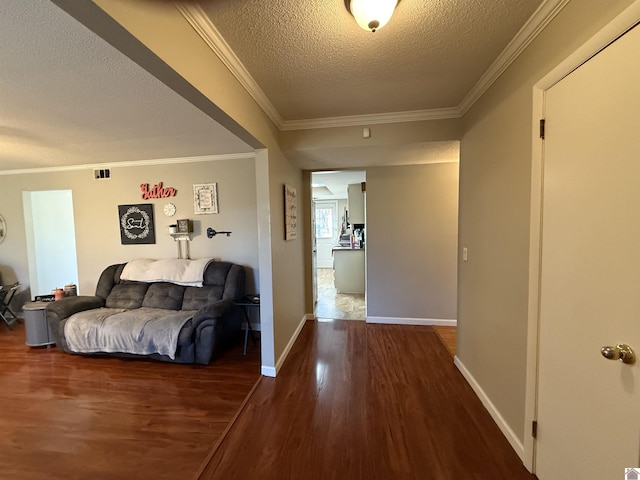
(184, 225)
(136, 224)
(205, 198)
(290, 213)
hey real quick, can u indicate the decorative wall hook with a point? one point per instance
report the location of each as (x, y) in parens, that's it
(212, 233)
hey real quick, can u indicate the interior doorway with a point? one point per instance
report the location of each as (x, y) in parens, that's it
(51, 240)
(333, 232)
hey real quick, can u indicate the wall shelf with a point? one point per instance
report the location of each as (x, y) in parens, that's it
(182, 239)
(181, 236)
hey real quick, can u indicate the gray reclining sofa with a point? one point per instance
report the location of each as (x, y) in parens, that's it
(207, 317)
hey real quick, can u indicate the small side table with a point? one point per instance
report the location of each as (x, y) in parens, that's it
(247, 303)
(37, 329)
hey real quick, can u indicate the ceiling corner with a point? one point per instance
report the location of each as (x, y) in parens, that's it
(527, 34)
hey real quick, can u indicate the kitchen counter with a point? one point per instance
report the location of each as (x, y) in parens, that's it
(341, 248)
(349, 268)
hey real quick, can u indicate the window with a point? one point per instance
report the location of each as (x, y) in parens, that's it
(324, 223)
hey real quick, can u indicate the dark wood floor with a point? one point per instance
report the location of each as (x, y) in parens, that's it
(362, 401)
(71, 417)
(353, 401)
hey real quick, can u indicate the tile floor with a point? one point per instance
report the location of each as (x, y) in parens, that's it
(334, 305)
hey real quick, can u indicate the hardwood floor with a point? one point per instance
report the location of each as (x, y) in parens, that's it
(353, 400)
(447, 337)
(363, 401)
(71, 417)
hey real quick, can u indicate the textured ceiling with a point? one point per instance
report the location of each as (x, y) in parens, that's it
(312, 60)
(69, 98)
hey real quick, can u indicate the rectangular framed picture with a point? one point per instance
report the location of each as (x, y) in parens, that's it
(290, 213)
(205, 198)
(184, 226)
(136, 224)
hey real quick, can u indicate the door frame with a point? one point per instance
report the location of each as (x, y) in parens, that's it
(607, 35)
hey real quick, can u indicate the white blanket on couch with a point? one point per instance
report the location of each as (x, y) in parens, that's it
(140, 331)
(174, 270)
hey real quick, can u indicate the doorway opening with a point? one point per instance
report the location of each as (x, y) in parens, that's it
(339, 245)
(51, 240)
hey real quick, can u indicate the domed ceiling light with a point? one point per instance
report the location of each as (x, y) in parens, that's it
(371, 15)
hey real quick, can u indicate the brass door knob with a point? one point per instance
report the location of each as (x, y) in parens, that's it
(622, 352)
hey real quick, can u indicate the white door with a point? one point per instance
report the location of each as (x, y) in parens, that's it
(589, 407)
(326, 232)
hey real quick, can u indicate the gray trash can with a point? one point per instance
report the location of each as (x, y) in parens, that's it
(37, 329)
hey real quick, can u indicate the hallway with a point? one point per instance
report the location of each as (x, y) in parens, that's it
(361, 401)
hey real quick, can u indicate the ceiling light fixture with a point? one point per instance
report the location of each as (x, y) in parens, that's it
(371, 15)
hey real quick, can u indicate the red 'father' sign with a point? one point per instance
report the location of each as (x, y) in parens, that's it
(157, 191)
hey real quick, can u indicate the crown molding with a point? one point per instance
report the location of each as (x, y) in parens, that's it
(527, 34)
(372, 119)
(132, 163)
(203, 26)
(201, 23)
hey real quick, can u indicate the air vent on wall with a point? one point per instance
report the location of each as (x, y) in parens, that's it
(101, 173)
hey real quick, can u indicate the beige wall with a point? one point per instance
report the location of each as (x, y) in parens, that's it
(400, 134)
(397, 139)
(97, 224)
(158, 37)
(495, 183)
(495, 175)
(412, 227)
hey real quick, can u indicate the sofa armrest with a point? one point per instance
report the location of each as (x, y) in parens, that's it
(57, 312)
(212, 311)
(67, 306)
(215, 326)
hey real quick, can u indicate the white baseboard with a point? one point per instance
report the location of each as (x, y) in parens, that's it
(512, 438)
(413, 321)
(271, 371)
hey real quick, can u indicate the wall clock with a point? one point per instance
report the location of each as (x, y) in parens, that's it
(169, 209)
